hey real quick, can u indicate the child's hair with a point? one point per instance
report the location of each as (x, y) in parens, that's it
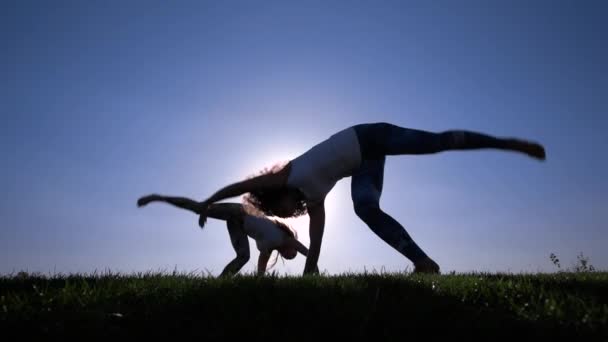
(252, 210)
(265, 199)
(287, 230)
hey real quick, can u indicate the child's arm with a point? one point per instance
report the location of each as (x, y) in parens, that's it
(262, 262)
(298, 246)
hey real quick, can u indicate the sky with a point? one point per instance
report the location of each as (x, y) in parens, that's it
(102, 102)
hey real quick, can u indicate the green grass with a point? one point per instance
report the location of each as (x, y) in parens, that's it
(386, 306)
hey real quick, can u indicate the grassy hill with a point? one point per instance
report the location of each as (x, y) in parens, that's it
(383, 306)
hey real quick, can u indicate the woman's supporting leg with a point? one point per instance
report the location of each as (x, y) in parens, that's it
(387, 139)
(180, 202)
(366, 188)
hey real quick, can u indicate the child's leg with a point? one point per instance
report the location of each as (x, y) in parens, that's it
(180, 202)
(226, 211)
(240, 243)
(220, 211)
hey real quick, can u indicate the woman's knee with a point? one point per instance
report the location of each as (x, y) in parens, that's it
(367, 210)
(242, 258)
(452, 139)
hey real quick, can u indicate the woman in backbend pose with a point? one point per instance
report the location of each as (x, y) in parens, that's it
(359, 151)
(268, 234)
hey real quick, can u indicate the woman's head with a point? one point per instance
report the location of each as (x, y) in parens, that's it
(282, 202)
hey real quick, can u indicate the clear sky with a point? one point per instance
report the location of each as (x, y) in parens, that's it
(105, 101)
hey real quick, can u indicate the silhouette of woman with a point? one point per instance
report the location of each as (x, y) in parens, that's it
(359, 151)
(269, 234)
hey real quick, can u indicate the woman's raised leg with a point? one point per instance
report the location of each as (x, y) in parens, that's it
(388, 139)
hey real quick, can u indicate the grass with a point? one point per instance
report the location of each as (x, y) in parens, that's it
(384, 306)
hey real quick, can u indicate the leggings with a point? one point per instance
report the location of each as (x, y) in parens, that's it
(378, 140)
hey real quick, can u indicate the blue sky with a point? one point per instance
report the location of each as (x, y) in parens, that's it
(103, 102)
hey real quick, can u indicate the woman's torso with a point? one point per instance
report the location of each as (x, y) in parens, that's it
(318, 170)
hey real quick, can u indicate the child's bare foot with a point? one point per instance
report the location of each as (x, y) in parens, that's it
(530, 148)
(147, 199)
(426, 265)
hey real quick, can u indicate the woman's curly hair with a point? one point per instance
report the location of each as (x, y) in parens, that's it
(265, 200)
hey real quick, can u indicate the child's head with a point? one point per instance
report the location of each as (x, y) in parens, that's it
(282, 202)
(286, 252)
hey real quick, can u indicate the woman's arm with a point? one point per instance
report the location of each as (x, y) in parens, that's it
(262, 262)
(271, 180)
(316, 214)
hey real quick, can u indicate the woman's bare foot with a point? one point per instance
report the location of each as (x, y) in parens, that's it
(426, 265)
(143, 201)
